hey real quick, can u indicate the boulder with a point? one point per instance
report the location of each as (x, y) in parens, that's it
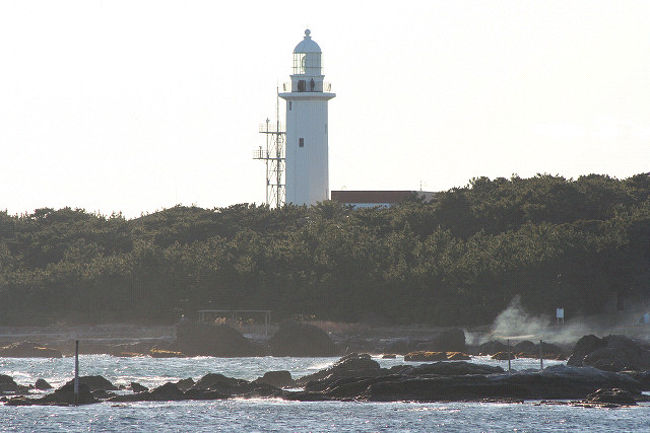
(167, 392)
(454, 368)
(185, 384)
(501, 356)
(525, 346)
(458, 356)
(611, 395)
(492, 347)
(7, 384)
(65, 395)
(423, 356)
(352, 365)
(612, 353)
(279, 379)
(301, 339)
(222, 384)
(136, 387)
(28, 350)
(583, 347)
(42, 385)
(198, 339)
(94, 383)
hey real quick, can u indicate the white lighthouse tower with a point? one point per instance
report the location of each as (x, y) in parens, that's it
(306, 176)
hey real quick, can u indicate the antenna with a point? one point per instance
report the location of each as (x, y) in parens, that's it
(274, 157)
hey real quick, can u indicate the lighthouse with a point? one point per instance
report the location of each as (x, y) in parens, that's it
(306, 175)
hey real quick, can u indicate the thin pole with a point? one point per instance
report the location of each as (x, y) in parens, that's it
(509, 356)
(541, 355)
(76, 372)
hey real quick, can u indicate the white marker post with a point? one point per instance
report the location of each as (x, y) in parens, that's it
(76, 372)
(541, 355)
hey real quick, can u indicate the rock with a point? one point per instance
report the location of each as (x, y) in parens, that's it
(101, 394)
(525, 346)
(454, 368)
(65, 395)
(198, 339)
(425, 356)
(492, 347)
(583, 347)
(503, 356)
(552, 351)
(7, 384)
(136, 387)
(167, 392)
(352, 365)
(20, 401)
(642, 376)
(95, 383)
(300, 339)
(159, 353)
(611, 395)
(185, 384)
(28, 350)
(279, 379)
(389, 356)
(458, 356)
(222, 384)
(451, 340)
(42, 385)
(612, 353)
(556, 382)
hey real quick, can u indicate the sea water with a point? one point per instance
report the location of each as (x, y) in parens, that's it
(275, 415)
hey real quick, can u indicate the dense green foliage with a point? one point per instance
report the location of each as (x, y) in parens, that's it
(458, 260)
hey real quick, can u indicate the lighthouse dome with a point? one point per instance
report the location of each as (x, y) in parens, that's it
(307, 45)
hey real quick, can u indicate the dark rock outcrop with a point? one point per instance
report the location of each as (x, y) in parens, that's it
(136, 387)
(279, 379)
(352, 365)
(423, 356)
(445, 381)
(28, 350)
(492, 347)
(197, 339)
(501, 356)
(94, 383)
(611, 396)
(612, 353)
(7, 384)
(185, 384)
(42, 385)
(301, 339)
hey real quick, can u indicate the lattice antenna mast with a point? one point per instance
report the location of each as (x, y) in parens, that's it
(274, 157)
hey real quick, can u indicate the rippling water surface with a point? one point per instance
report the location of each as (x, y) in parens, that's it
(263, 415)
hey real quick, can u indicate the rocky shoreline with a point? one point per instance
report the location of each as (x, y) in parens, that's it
(357, 377)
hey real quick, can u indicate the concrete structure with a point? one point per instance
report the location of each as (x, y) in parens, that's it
(306, 176)
(360, 199)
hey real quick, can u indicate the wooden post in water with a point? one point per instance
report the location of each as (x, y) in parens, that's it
(76, 372)
(541, 355)
(509, 355)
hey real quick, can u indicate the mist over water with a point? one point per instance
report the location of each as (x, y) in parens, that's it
(517, 324)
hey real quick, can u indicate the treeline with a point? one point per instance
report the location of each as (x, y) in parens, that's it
(458, 260)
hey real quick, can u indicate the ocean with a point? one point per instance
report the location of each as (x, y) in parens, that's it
(274, 415)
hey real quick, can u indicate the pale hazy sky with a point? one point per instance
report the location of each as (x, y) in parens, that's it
(135, 106)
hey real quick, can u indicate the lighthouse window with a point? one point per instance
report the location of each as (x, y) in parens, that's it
(302, 85)
(301, 142)
(289, 105)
